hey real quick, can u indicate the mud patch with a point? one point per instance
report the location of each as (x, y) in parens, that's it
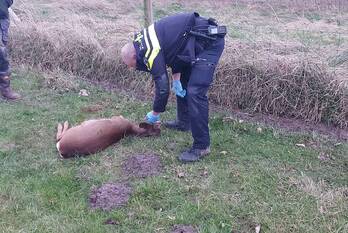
(290, 125)
(142, 166)
(183, 229)
(245, 224)
(109, 196)
(111, 222)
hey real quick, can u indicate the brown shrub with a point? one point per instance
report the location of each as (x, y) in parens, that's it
(72, 50)
(298, 88)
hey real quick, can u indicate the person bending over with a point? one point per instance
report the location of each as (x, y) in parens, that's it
(191, 46)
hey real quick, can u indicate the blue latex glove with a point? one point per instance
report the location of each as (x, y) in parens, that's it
(151, 118)
(177, 89)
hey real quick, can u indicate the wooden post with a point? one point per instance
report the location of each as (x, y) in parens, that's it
(148, 12)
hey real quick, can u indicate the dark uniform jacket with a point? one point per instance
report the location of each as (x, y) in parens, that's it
(166, 43)
(4, 5)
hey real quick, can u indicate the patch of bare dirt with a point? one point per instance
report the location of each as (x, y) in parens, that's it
(111, 221)
(142, 166)
(110, 196)
(292, 125)
(245, 224)
(183, 229)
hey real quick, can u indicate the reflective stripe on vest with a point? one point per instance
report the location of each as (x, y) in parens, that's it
(152, 45)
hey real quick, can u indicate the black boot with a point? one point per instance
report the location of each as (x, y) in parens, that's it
(193, 155)
(6, 91)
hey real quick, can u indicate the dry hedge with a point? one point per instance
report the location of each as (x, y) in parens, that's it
(299, 88)
(70, 50)
(293, 88)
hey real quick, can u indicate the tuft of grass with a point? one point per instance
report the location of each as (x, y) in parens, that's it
(339, 59)
(313, 16)
(173, 8)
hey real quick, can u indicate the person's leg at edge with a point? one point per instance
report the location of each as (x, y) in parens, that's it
(5, 89)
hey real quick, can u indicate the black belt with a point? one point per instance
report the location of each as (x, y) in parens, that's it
(208, 29)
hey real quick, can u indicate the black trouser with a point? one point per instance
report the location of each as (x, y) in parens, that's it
(193, 109)
(4, 63)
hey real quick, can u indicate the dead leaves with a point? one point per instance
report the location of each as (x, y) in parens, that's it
(204, 172)
(258, 229)
(84, 93)
(300, 145)
(325, 157)
(180, 174)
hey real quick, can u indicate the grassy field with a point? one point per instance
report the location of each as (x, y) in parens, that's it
(254, 175)
(251, 178)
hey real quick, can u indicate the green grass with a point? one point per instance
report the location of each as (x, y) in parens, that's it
(173, 8)
(257, 180)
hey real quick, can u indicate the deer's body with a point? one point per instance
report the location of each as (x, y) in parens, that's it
(95, 135)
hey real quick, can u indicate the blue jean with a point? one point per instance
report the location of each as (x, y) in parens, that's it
(193, 109)
(4, 63)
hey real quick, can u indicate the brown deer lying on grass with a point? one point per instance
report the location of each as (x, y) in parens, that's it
(95, 135)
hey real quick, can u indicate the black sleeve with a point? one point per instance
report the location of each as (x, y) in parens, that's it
(177, 68)
(161, 92)
(160, 76)
(9, 2)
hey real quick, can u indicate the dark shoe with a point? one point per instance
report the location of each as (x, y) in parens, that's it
(177, 125)
(7, 93)
(193, 155)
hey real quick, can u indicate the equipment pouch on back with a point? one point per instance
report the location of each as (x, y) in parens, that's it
(217, 30)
